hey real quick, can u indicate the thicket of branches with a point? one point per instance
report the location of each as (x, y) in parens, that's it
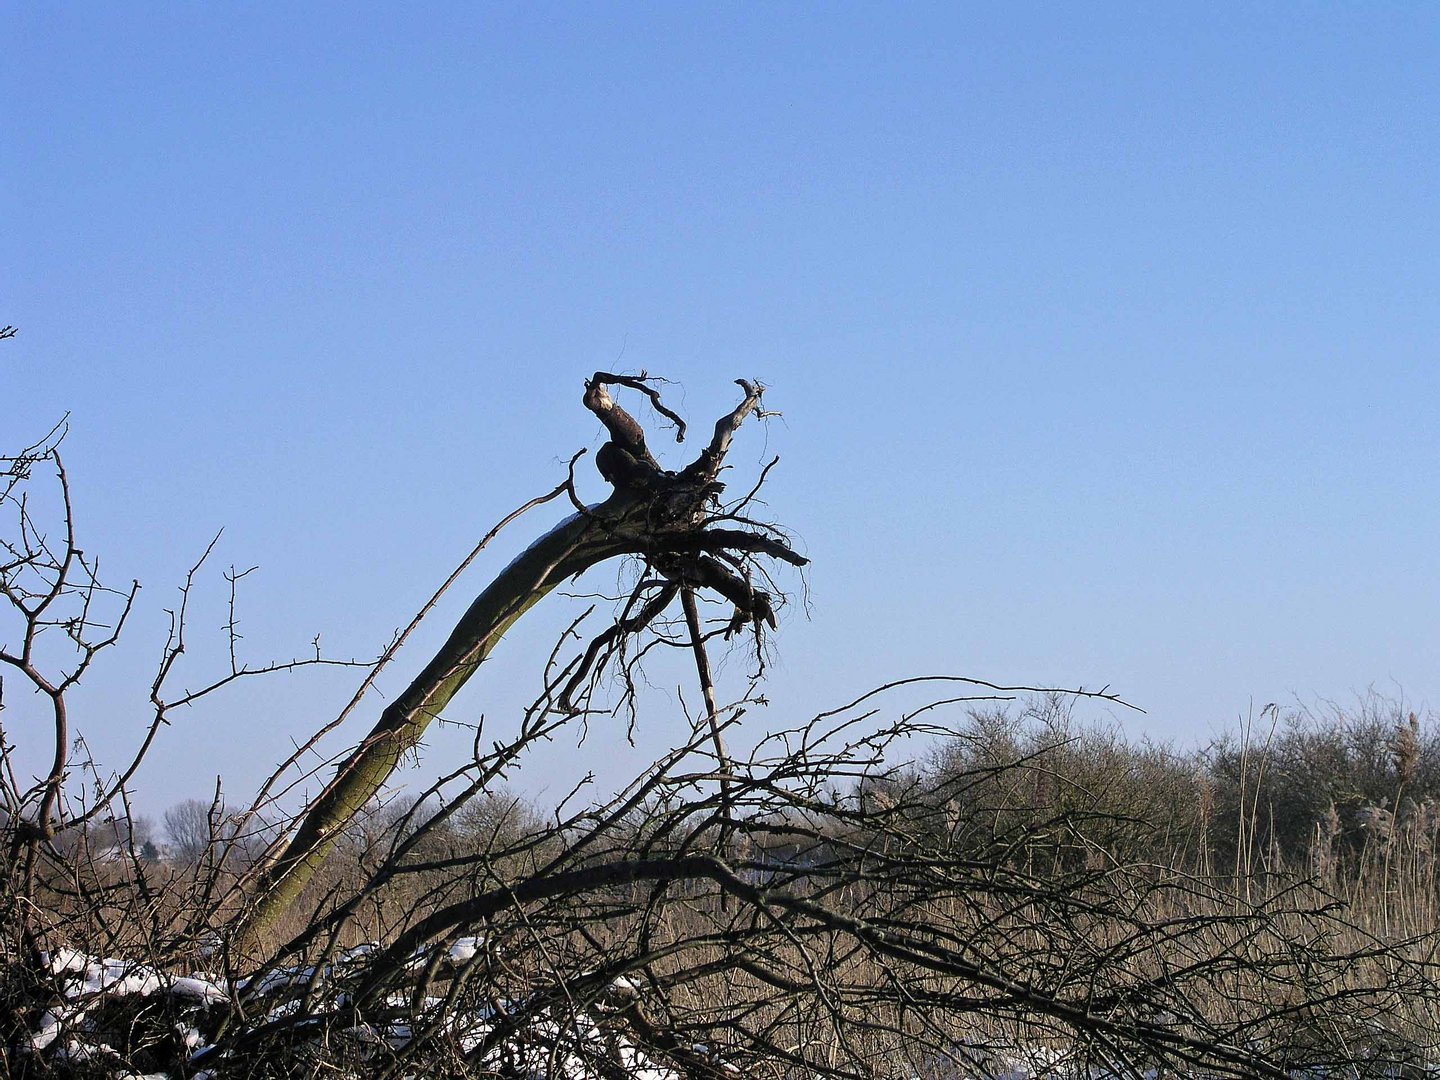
(911, 885)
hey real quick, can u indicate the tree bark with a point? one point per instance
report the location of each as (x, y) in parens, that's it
(571, 548)
(652, 512)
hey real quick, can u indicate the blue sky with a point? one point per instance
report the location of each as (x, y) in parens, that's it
(1105, 335)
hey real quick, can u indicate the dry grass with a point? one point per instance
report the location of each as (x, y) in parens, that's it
(1048, 889)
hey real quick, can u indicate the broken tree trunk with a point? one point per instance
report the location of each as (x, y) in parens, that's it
(658, 515)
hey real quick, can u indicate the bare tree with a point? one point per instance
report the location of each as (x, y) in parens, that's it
(193, 827)
(671, 520)
(807, 901)
(59, 618)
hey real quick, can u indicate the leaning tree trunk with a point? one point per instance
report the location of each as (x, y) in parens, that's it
(662, 516)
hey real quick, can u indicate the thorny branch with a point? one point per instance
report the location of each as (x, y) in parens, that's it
(52, 586)
(653, 513)
(861, 922)
(806, 902)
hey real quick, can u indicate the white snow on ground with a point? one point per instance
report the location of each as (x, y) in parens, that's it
(268, 982)
(86, 980)
(464, 950)
(196, 988)
(552, 1048)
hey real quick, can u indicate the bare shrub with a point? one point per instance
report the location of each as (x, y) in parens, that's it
(911, 885)
(1352, 762)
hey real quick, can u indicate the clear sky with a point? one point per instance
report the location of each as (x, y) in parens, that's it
(1105, 335)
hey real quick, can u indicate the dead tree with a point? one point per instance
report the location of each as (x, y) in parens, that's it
(863, 919)
(57, 620)
(668, 519)
(813, 907)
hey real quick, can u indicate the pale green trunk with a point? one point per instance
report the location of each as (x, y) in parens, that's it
(570, 548)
